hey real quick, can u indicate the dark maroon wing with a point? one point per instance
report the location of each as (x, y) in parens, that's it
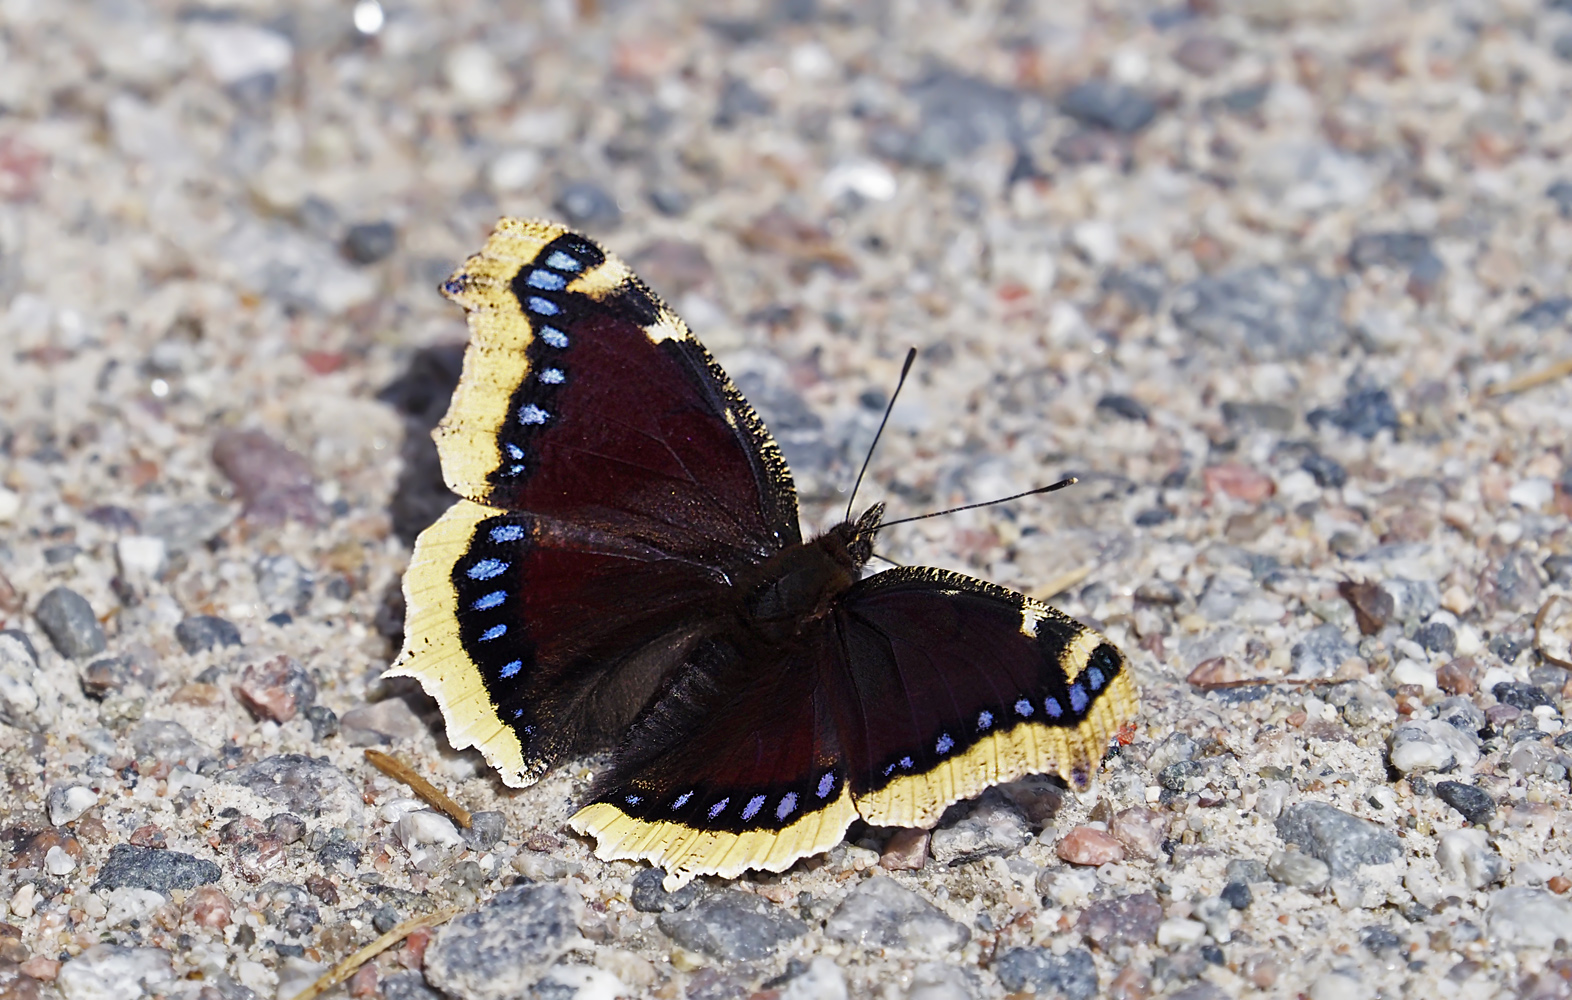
(614, 482)
(586, 400)
(954, 684)
(745, 769)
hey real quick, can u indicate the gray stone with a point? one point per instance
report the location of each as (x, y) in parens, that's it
(1460, 712)
(273, 483)
(1298, 869)
(797, 428)
(1321, 652)
(1105, 104)
(1366, 411)
(1431, 745)
(203, 632)
(324, 722)
(1344, 841)
(1474, 803)
(185, 526)
(1402, 250)
(118, 675)
(1130, 920)
(1521, 696)
(307, 786)
(881, 913)
(408, 986)
(1528, 918)
(283, 584)
(1436, 637)
(585, 203)
(20, 681)
(369, 242)
(387, 721)
(1246, 870)
(1238, 894)
(649, 895)
(131, 867)
(67, 803)
(1466, 856)
(1264, 312)
(939, 981)
(1412, 600)
(1072, 975)
(68, 620)
(485, 829)
(961, 114)
(1259, 416)
(165, 741)
(1327, 472)
(994, 827)
(116, 972)
(732, 925)
(504, 947)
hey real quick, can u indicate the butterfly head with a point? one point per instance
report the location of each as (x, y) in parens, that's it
(859, 542)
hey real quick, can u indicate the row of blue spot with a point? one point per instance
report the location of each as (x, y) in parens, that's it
(784, 808)
(539, 305)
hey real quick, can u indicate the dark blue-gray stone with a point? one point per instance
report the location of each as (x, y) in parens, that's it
(584, 203)
(1522, 696)
(959, 115)
(503, 947)
(1238, 894)
(1124, 407)
(408, 986)
(1474, 803)
(1327, 472)
(1072, 975)
(1437, 637)
(203, 632)
(485, 829)
(1547, 313)
(1142, 286)
(1267, 313)
(738, 100)
(1391, 249)
(370, 242)
(1365, 411)
(150, 868)
(1321, 652)
(68, 620)
(1105, 104)
(732, 926)
(650, 896)
(324, 722)
(1561, 193)
(1342, 840)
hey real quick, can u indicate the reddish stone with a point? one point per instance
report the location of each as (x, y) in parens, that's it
(148, 836)
(907, 851)
(1130, 984)
(41, 968)
(273, 483)
(1373, 606)
(1213, 672)
(1238, 481)
(323, 362)
(207, 906)
(1559, 884)
(364, 982)
(277, 689)
(413, 955)
(323, 889)
(31, 851)
(1090, 846)
(1127, 920)
(542, 841)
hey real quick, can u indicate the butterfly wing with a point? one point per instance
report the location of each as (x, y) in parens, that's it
(612, 477)
(958, 684)
(751, 774)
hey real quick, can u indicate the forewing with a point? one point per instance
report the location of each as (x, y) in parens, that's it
(585, 399)
(956, 684)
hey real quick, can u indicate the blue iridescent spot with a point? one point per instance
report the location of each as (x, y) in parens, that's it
(945, 744)
(633, 800)
(906, 763)
(1055, 710)
(889, 770)
(542, 307)
(514, 470)
(491, 600)
(514, 451)
(486, 569)
(507, 532)
(682, 800)
(553, 336)
(510, 668)
(552, 376)
(788, 803)
(1078, 698)
(718, 808)
(528, 730)
(984, 719)
(494, 632)
(826, 784)
(563, 261)
(532, 414)
(453, 286)
(518, 713)
(546, 280)
(1023, 708)
(1095, 679)
(752, 808)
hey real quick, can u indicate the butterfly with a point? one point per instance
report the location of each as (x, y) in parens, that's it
(624, 571)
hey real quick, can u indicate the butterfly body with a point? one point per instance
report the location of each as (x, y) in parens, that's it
(625, 571)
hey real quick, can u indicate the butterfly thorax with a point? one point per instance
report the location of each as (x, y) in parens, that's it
(801, 583)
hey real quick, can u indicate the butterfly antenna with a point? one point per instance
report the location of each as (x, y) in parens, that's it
(911, 355)
(1061, 484)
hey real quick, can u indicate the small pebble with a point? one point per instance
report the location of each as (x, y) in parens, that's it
(207, 906)
(1321, 652)
(273, 483)
(1298, 869)
(68, 620)
(1364, 412)
(67, 803)
(116, 972)
(160, 871)
(277, 689)
(648, 895)
(1085, 845)
(1523, 697)
(1459, 676)
(881, 913)
(1474, 803)
(1237, 895)
(1465, 856)
(1436, 637)
(58, 863)
(20, 680)
(588, 205)
(1328, 473)
(906, 850)
(369, 242)
(1105, 104)
(1238, 481)
(1180, 932)
(203, 632)
(731, 926)
(1205, 55)
(1344, 841)
(1072, 975)
(324, 722)
(1125, 920)
(1373, 606)
(1122, 407)
(994, 827)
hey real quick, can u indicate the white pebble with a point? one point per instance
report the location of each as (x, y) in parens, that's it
(24, 900)
(1414, 672)
(1532, 494)
(1179, 932)
(10, 505)
(58, 862)
(1465, 856)
(67, 804)
(394, 810)
(418, 829)
(140, 555)
(868, 179)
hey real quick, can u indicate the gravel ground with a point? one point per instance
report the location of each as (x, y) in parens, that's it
(1250, 268)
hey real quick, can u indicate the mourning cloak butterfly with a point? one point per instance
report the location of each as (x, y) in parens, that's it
(625, 570)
